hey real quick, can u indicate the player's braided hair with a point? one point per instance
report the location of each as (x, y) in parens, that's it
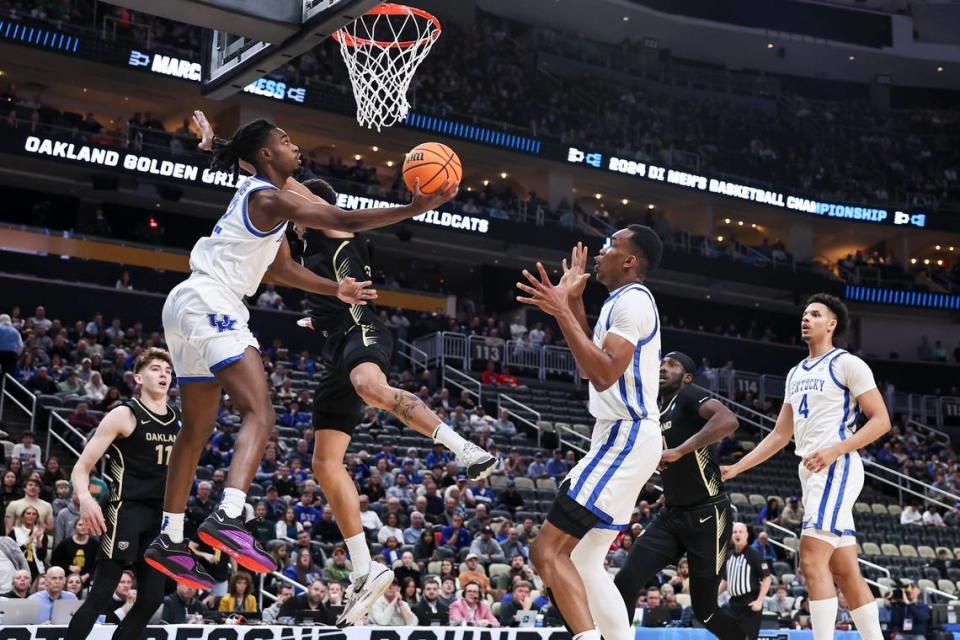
(836, 307)
(244, 145)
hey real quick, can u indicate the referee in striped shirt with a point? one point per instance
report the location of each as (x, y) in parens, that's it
(747, 581)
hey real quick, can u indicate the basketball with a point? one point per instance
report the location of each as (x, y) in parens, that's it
(433, 163)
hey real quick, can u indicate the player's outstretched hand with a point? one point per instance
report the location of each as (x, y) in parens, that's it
(727, 472)
(574, 277)
(353, 292)
(820, 459)
(424, 202)
(543, 294)
(92, 516)
(206, 130)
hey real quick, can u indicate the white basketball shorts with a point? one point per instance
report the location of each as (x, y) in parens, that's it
(828, 499)
(622, 457)
(205, 326)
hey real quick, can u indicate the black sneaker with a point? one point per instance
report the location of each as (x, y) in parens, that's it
(479, 463)
(177, 562)
(230, 536)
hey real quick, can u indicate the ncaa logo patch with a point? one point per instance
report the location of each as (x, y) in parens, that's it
(123, 545)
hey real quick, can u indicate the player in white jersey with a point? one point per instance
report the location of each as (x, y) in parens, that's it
(621, 358)
(205, 326)
(825, 395)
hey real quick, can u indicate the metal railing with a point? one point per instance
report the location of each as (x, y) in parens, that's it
(506, 402)
(418, 358)
(795, 553)
(264, 593)
(902, 482)
(460, 349)
(462, 381)
(8, 394)
(60, 422)
(561, 429)
(927, 408)
(523, 355)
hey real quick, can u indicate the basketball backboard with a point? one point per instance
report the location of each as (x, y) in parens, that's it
(231, 62)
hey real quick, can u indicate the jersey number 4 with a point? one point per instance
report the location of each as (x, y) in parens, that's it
(803, 409)
(163, 453)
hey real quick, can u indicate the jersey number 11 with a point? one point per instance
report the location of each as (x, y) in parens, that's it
(163, 453)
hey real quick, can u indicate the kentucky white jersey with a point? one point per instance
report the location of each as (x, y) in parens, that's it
(237, 254)
(823, 393)
(631, 313)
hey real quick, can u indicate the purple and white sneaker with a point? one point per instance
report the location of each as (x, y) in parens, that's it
(177, 563)
(230, 536)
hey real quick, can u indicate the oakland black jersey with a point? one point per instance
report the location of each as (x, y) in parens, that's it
(336, 259)
(694, 478)
(138, 463)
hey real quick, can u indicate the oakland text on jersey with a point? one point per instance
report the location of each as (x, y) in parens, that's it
(160, 437)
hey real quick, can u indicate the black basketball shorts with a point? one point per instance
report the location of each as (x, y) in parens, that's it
(336, 404)
(131, 527)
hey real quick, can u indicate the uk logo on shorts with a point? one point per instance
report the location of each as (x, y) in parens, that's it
(224, 323)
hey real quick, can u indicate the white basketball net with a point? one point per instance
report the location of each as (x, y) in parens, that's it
(382, 51)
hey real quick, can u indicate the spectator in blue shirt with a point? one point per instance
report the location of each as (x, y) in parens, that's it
(483, 493)
(387, 453)
(557, 466)
(455, 535)
(11, 344)
(410, 470)
(56, 581)
(306, 509)
(438, 455)
(305, 363)
(358, 469)
(766, 549)
(537, 468)
(295, 418)
(909, 618)
(224, 440)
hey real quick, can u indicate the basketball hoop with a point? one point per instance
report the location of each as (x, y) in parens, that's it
(382, 50)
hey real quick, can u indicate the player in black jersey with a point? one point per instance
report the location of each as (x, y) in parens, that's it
(357, 349)
(695, 518)
(138, 435)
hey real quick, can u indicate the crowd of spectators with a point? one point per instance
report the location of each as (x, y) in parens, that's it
(460, 549)
(841, 150)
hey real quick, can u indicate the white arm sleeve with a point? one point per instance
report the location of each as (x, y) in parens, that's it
(633, 316)
(855, 374)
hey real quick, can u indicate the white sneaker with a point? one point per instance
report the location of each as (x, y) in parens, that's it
(363, 592)
(479, 463)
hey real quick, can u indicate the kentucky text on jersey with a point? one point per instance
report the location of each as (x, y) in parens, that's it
(813, 384)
